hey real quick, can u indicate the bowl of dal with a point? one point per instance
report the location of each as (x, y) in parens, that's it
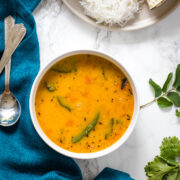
(84, 104)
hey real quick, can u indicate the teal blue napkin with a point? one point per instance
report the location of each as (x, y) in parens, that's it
(23, 155)
(112, 174)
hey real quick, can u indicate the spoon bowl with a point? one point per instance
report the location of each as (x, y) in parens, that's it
(10, 109)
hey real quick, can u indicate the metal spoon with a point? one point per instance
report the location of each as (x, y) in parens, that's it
(10, 108)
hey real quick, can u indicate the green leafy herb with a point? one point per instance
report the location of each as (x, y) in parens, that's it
(178, 89)
(118, 121)
(175, 98)
(60, 70)
(59, 99)
(173, 175)
(170, 149)
(165, 166)
(157, 169)
(164, 103)
(177, 113)
(111, 128)
(66, 67)
(166, 97)
(156, 87)
(178, 176)
(50, 86)
(87, 130)
(177, 78)
(74, 65)
(167, 82)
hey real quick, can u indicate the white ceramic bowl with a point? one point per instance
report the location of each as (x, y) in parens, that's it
(58, 148)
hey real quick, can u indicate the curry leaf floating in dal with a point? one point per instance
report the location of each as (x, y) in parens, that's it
(50, 86)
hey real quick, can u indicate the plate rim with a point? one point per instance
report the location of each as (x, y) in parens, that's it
(128, 29)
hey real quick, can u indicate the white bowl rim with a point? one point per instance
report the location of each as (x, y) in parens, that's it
(57, 148)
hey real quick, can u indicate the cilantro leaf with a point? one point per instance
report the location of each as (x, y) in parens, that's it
(178, 176)
(158, 169)
(172, 175)
(166, 166)
(170, 149)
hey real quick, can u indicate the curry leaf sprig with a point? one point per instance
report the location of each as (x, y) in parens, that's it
(166, 166)
(165, 96)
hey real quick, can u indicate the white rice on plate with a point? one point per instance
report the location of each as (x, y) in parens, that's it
(111, 11)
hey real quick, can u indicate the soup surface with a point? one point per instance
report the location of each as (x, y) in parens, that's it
(84, 103)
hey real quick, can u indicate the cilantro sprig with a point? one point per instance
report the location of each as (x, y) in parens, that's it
(165, 96)
(166, 166)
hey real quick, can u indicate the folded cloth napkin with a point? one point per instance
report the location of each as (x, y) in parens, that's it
(23, 155)
(112, 174)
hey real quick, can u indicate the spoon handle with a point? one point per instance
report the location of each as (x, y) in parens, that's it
(15, 37)
(9, 24)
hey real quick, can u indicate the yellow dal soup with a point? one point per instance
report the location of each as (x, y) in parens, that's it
(84, 103)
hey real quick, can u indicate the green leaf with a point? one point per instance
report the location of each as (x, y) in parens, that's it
(172, 175)
(177, 113)
(178, 176)
(178, 89)
(175, 98)
(157, 169)
(111, 128)
(50, 86)
(61, 103)
(177, 77)
(170, 149)
(156, 87)
(165, 166)
(164, 103)
(167, 82)
(60, 70)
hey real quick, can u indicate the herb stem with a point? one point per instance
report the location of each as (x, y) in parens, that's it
(163, 95)
(149, 103)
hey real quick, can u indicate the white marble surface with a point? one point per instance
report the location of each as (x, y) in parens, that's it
(151, 52)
